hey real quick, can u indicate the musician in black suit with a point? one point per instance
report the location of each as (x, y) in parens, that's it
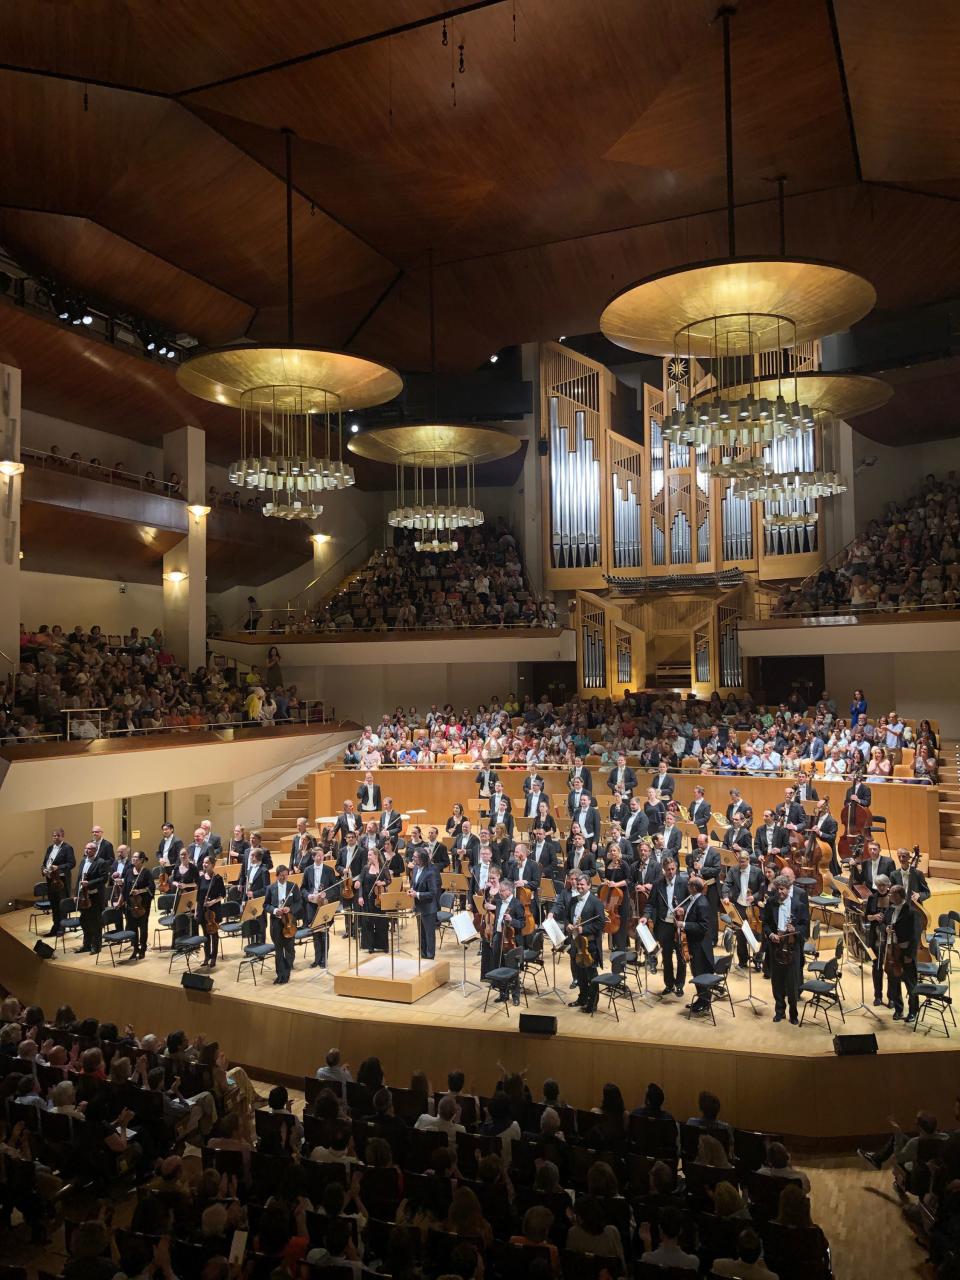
(525, 873)
(301, 846)
(438, 852)
(667, 893)
(805, 790)
(874, 864)
(58, 861)
(281, 903)
(500, 808)
(103, 848)
(664, 783)
(672, 836)
(739, 805)
(368, 795)
(615, 836)
(911, 877)
(622, 776)
(465, 843)
(619, 810)
(142, 889)
(93, 874)
(485, 780)
(239, 845)
(347, 820)
(168, 850)
(786, 907)
(254, 882)
(875, 917)
(700, 810)
(586, 919)
(574, 797)
(744, 886)
(587, 818)
(256, 842)
(696, 923)
(211, 891)
(704, 861)
(791, 814)
(907, 923)
(509, 910)
(770, 837)
(531, 777)
(637, 825)
(373, 877)
(390, 821)
(579, 856)
(580, 771)
(425, 894)
(825, 826)
(352, 857)
(120, 878)
(214, 842)
(544, 853)
(859, 793)
(198, 849)
(319, 879)
(737, 836)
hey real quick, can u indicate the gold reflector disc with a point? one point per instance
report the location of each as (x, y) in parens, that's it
(448, 443)
(844, 394)
(224, 374)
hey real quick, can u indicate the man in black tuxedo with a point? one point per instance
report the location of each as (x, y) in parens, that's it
(664, 782)
(805, 790)
(579, 858)
(700, 810)
(587, 817)
(704, 861)
(737, 835)
(912, 878)
(745, 884)
(121, 875)
(791, 814)
(667, 893)
(318, 880)
(253, 882)
(532, 776)
(615, 836)
(859, 793)
(256, 842)
(770, 837)
(500, 808)
(438, 851)
(907, 924)
(622, 776)
(874, 864)
(390, 821)
(586, 919)
(465, 843)
(282, 901)
(739, 805)
(58, 861)
(672, 836)
(347, 820)
(93, 873)
(425, 894)
(198, 849)
(214, 842)
(695, 921)
(636, 825)
(825, 826)
(525, 873)
(300, 843)
(508, 910)
(532, 798)
(580, 771)
(350, 863)
(786, 906)
(103, 848)
(574, 796)
(168, 850)
(485, 779)
(368, 794)
(544, 853)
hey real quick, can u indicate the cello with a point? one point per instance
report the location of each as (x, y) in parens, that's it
(524, 895)
(857, 822)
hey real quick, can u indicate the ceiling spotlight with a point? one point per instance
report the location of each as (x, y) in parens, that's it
(354, 428)
(170, 353)
(151, 345)
(494, 358)
(86, 318)
(163, 350)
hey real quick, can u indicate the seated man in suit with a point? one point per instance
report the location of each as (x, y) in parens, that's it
(622, 776)
(281, 904)
(695, 921)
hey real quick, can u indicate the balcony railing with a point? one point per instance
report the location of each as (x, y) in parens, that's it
(767, 611)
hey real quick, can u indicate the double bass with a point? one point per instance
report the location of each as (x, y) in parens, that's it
(857, 823)
(524, 896)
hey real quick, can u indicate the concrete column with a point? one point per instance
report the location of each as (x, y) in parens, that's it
(10, 487)
(185, 598)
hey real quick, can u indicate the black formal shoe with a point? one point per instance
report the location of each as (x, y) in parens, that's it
(898, 1015)
(51, 933)
(212, 964)
(515, 998)
(794, 1020)
(779, 1017)
(575, 1004)
(679, 989)
(870, 1158)
(668, 991)
(284, 981)
(574, 984)
(878, 1004)
(316, 965)
(277, 981)
(698, 1009)
(741, 968)
(501, 998)
(80, 951)
(911, 1018)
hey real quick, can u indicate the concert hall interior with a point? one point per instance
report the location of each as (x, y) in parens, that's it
(480, 549)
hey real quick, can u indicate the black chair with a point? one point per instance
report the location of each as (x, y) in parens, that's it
(654, 1136)
(750, 1148)
(69, 922)
(445, 913)
(826, 903)
(513, 1261)
(116, 938)
(703, 1178)
(164, 918)
(41, 905)
(532, 963)
(614, 987)
(501, 980)
(255, 954)
(186, 945)
(816, 967)
(824, 993)
(936, 996)
(930, 968)
(713, 987)
(763, 1192)
(690, 1135)
(228, 914)
(627, 962)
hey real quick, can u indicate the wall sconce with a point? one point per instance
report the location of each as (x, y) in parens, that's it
(198, 511)
(9, 468)
(175, 576)
(318, 539)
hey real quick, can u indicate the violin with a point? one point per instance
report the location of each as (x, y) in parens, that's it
(84, 900)
(683, 942)
(163, 881)
(289, 924)
(54, 878)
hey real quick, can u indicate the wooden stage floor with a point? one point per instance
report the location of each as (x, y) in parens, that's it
(773, 1077)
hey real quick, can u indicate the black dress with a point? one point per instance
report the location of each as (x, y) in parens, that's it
(373, 932)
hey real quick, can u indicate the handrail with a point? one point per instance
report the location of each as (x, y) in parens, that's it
(766, 611)
(502, 766)
(294, 602)
(537, 624)
(105, 474)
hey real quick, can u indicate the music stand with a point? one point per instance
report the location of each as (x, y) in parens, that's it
(465, 933)
(322, 922)
(557, 944)
(851, 931)
(737, 926)
(187, 902)
(395, 903)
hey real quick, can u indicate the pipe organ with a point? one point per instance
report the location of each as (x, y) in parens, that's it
(792, 453)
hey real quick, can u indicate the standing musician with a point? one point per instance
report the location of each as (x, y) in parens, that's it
(184, 873)
(672, 835)
(544, 853)
(510, 910)
(904, 925)
(319, 879)
(622, 776)
(490, 893)
(466, 843)
(58, 861)
(655, 811)
(390, 820)
(91, 883)
(695, 920)
(739, 805)
(485, 780)
(579, 857)
(256, 842)
(667, 894)
(577, 790)
(532, 780)
(663, 783)
(525, 874)
(254, 882)
(805, 790)
(825, 826)
(368, 793)
(737, 835)
(587, 817)
(619, 807)
(785, 913)
(580, 771)
(533, 798)
(282, 901)
(140, 900)
(500, 842)
(301, 844)
(211, 891)
(744, 887)
(648, 869)
(771, 838)
(485, 872)
(456, 820)
(168, 850)
(911, 877)
(875, 916)
(352, 857)
(395, 857)
(238, 846)
(858, 792)
(791, 814)
(545, 818)
(700, 810)
(874, 864)
(637, 824)
(102, 846)
(346, 822)
(374, 877)
(199, 849)
(425, 893)
(500, 806)
(705, 862)
(439, 854)
(628, 850)
(618, 874)
(121, 877)
(586, 919)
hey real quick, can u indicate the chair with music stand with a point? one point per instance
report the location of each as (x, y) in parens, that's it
(816, 967)
(824, 992)
(713, 987)
(532, 961)
(448, 904)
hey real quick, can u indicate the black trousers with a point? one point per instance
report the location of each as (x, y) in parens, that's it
(285, 950)
(907, 979)
(588, 992)
(211, 942)
(373, 933)
(786, 983)
(321, 939)
(55, 897)
(674, 965)
(140, 925)
(427, 933)
(91, 926)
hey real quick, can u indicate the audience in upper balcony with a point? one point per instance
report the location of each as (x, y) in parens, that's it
(481, 584)
(907, 559)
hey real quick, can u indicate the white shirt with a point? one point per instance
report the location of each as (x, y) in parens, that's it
(367, 796)
(634, 815)
(521, 868)
(501, 912)
(166, 847)
(281, 894)
(783, 915)
(669, 887)
(744, 889)
(533, 801)
(538, 853)
(483, 874)
(87, 864)
(52, 855)
(578, 909)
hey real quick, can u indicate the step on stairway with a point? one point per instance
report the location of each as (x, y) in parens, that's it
(948, 863)
(278, 827)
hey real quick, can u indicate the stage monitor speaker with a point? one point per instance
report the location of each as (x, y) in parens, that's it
(538, 1024)
(543, 446)
(43, 950)
(196, 982)
(854, 1046)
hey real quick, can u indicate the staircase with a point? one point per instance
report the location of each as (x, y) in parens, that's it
(279, 827)
(948, 864)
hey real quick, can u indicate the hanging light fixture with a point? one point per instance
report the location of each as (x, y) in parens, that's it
(291, 400)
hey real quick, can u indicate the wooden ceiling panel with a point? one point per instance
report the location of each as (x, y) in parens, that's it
(103, 266)
(901, 64)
